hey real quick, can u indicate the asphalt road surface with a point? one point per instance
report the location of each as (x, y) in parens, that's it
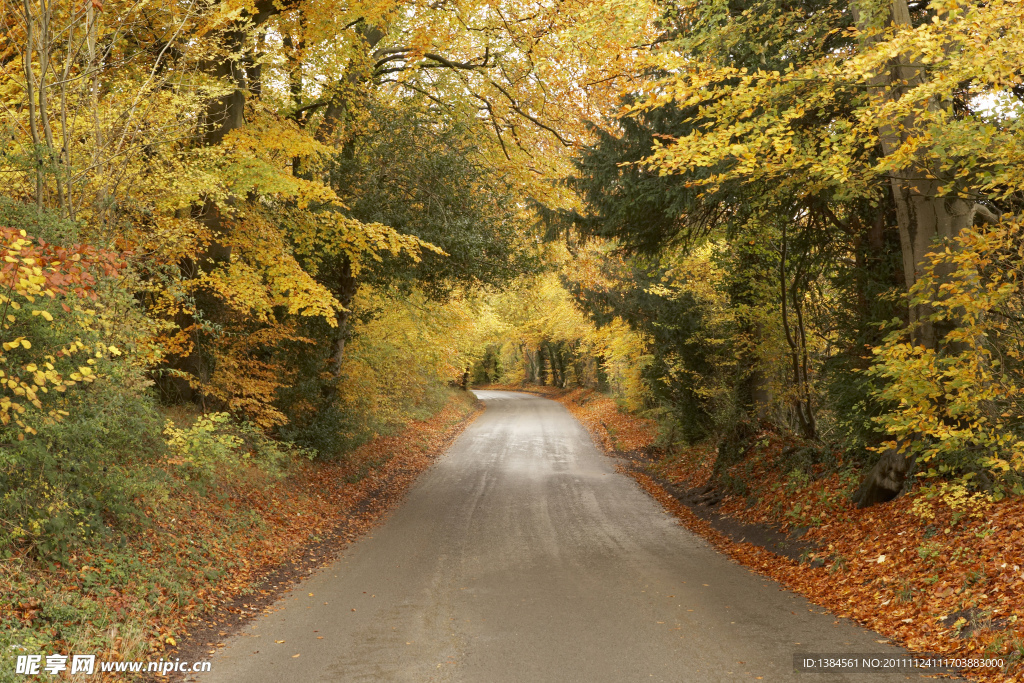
(522, 556)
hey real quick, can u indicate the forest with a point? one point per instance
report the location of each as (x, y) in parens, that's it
(248, 242)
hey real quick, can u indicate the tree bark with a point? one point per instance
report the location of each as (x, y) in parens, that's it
(885, 480)
(802, 401)
(923, 216)
(345, 290)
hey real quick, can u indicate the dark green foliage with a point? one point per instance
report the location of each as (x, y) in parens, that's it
(329, 428)
(488, 368)
(421, 178)
(83, 476)
(315, 418)
(45, 225)
(671, 326)
(834, 263)
(80, 478)
(644, 211)
(867, 291)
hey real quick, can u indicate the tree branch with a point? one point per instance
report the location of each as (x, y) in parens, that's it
(516, 108)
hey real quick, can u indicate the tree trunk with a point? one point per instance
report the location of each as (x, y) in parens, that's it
(754, 395)
(923, 216)
(557, 371)
(885, 480)
(345, 289)
(797, 348)
(530, 369)
(561, 366)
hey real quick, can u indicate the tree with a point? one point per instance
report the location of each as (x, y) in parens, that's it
(893, 116)
(756, 121)
(474, 64)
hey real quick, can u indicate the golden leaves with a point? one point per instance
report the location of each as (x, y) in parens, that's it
(966, 396)
(31, 270)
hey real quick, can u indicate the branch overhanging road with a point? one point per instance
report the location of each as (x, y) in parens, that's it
(522, 556)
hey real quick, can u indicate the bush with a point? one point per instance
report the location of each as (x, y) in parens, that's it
(959, 407)
(45, 225)
(214, 446)
(76, 427)
(83, 476)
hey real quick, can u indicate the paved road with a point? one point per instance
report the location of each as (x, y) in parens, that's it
(521, 556)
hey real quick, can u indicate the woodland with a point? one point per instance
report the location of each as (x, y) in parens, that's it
(247, 239)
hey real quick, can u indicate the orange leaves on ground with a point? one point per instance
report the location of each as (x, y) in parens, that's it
(601, 416)
(944, 583)
(691, 467)
(881, 571)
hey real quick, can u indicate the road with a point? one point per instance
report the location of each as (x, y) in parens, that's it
(522, 556)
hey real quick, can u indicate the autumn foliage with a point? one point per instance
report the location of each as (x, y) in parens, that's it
(778, 243)
(38, 280)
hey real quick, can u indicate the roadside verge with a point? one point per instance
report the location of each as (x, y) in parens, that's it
(204, 556)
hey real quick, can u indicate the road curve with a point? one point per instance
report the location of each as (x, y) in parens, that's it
(522, 556)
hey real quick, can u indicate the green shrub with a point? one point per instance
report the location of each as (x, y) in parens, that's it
(214, 446)
(83, 476)
(46, 224)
